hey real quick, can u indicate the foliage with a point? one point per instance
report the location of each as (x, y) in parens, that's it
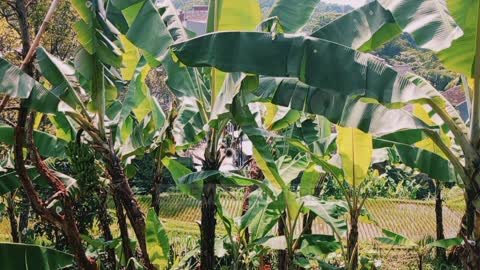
(399, 181)
(101, 99)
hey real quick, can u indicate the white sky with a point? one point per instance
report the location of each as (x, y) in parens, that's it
(353, 3)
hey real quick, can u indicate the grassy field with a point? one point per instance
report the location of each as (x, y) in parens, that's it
(414, 219)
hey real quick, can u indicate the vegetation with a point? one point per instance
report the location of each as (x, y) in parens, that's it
(95, 173)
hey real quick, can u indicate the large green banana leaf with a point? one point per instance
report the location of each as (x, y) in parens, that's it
(316, 62)
(262, 215)
(364, 28)
(337, 108)
(48, 145)
(330, 212)
(158, 246)
(178, 170)
(226, 15)
(9, 181)
(59, 74)
(433, 165)
(320, 64)
(32, 257)
(16, 83)
(429, 22)
(181, 80)
(293, 15)
(223, 178)
(460, 57)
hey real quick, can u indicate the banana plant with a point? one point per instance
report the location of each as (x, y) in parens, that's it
(84, 100)
(422, 248)
(198, 90)
(356, 150)
(317, 90)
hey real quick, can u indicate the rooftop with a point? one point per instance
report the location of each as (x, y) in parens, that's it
(455, 95)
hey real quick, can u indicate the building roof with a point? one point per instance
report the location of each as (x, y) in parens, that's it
(455, 95)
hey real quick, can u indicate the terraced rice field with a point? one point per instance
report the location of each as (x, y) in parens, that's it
(414, 219)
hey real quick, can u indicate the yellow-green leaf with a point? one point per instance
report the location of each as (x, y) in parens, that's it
(356, 149)
(158, 246)
(130, 58)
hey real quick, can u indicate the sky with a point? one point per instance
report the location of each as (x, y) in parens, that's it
(353, 3)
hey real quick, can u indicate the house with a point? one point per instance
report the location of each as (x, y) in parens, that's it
(457, 98)
(194, 20)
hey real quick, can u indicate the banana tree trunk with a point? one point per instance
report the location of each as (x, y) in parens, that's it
(73, 237)
(104, 223)
(352, 241)
(245, 207)
(470, 230)
(12, 218)
(282, 254)
(124, 194)
(122, 224)
(441, 253)
(67, 222)
(209, 211)
(420, 262)
(156, 190)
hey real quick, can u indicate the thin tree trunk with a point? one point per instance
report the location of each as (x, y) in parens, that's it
(209, 211)
(470, 252)
(124, 194)
(104, 223)
(12, 217)
(441, 253)
(67, 222)
(308, 222)
(282, 254)
(352, 241)
(73, 237)
(245, 207)
(23, 220)
(156, 190)
(122, 224)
